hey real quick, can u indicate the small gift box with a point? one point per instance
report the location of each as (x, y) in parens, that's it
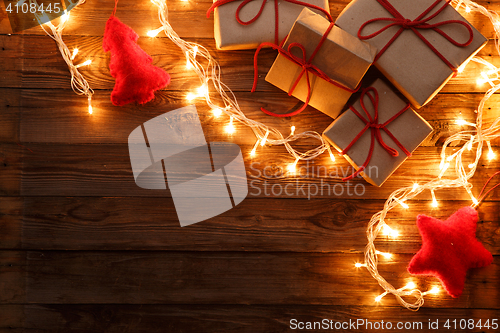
(377, 133)
(320, 64)
(421, 43)
(240, 25)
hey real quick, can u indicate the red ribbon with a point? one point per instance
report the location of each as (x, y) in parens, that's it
(307, 67)
(419, 23)
(375, 127)
(276, 14)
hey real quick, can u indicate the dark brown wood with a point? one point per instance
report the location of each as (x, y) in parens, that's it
(84, 249)
(294, 225)
(71, 277)
(231, 318)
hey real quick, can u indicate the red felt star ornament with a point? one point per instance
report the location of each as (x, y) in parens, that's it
(449, 249)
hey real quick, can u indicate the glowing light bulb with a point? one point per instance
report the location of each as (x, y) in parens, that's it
(358, 265)
(415, 187)
(434, 201)
(460, 122)
(230, 128)
(384, 254)
(410, 285)
(75, 52)
(332, 157)
(471, 165)
(461, 68)
(491, 154)
(402, 203)
(154, 33)
(379, 297)
(467, 9)
(217, 112)
(86, 63)
(195, 51)
(252, 153)
(190, 96)
(292, 168)
(292, 130)
(388, 231)
(263, 142)
(64, 17)
(90, 109)
(202, 90)
(434, 290)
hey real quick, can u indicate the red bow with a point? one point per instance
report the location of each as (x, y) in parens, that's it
(419, 23)
(375, 127)
(276, 14)
(307, 67)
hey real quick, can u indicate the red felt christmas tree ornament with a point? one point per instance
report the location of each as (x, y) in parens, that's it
(136, 78)
(450, 248)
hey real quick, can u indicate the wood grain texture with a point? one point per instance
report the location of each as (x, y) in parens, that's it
(84, 249)
(289, 225)
(220, 318)
(229, 278)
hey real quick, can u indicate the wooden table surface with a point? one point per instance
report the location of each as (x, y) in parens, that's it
(84, 249)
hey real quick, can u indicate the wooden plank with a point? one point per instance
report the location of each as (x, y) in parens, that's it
(90, 18)
(61, 116)
(11, 216)
(11, 318)
(293, 225)
(104, 170)
(10, 104)
(11, 166)
(11, 64)
(12, 277)
(43, 67)
(231, 278)
(228, 318)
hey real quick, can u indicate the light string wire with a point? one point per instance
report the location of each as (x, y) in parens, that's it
(78, 83)
(476, 136)
(211, 74)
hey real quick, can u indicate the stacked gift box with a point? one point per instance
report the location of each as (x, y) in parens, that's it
(417, 46)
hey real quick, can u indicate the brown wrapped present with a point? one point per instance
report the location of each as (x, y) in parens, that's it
(421, 43)
(318, 67)
(240, 25)
(377, 133)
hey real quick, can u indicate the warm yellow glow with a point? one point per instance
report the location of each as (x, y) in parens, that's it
(195, 51)
(230, 128)
(461, 68)
(263, 142)
(190, 96)
(292, 168)
(388, 231)
(86, 63)
(252, 153)
(460, 122)
(90, 109)
(434, 290)
(358, 265)
(75, 52)
(471, 165)
(491, 154)
(450, 158)
(292, 130)
(64, 17)
(189, 65)
(467, 9)
(403, 204)
(217, 112)
(332, 157)
(385, 254)
(379, 298)
(415, 187)
(154, 33)
(202, 90)
(411, 285)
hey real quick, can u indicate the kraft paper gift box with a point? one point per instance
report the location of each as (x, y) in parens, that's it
(342, 57)
(232, 35)
(409, 63)
(408, 128)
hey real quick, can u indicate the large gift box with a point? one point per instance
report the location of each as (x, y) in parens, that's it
(242, 24)
(377, 133)
(421, 43)
(342, 61)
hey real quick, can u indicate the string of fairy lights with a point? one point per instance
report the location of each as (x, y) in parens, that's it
(208, 71)
(78, 83)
